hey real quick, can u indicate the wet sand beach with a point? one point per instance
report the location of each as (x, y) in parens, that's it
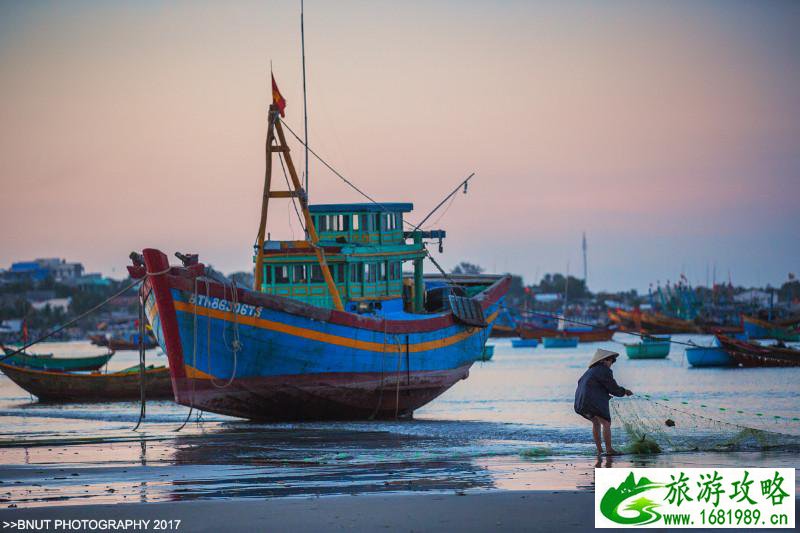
(503, 446)
(565, 512)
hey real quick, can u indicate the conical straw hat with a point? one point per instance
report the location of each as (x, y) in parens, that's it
(601, 354)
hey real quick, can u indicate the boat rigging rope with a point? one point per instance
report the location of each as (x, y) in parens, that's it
(73, 321)
(368, 197)
(446, 276)
(336, 172)
(235, 345)
(464, 184)
(414, 227)
(289, 188)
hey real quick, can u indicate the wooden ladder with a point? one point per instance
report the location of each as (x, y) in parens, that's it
(295, 191)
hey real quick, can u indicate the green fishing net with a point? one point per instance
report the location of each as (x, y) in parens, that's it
(679, 426)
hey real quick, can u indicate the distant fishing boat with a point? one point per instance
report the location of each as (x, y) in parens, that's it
(524, 343)
(332, 329)
(637, 320)
(560, 342)
(762, 329)
(587, 334)
(123, 343)
(56, 364)
(712, 327)
(648, 349)
(94, 387)
(708, 356)
(751, 354)
(488, 352)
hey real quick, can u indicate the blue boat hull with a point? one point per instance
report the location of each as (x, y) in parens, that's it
(267, 357)
(560, 342)
(708, 356)
(754, 331)
(524, 343)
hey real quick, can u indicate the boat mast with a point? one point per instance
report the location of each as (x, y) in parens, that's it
(585, 270)
(305, 95)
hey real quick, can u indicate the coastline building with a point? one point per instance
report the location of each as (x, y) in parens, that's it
(42, 268)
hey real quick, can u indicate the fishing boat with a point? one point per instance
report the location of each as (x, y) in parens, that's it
(488, 352)
(752, 354)
(123, 343)
(624, 319)
(92, 387)
(763, 329)
(56, 364)
(587, 334)
(525, 343)
(712, 327)
(638, 320)
(708, 356)
(505, 325)
(648, 349)
(332, 328)
(560, 341)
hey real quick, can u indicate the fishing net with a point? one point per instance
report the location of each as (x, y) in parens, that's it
(680, 427)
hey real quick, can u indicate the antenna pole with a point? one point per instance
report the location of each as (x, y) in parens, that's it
(305, 95)
(585, 272)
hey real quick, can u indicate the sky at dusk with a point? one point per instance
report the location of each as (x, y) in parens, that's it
(668, 131)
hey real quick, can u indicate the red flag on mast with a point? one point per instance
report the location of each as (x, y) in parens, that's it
(277, 97)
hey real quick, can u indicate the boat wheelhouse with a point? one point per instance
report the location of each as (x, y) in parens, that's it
(365, 249)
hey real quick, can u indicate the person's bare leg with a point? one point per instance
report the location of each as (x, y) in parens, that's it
(607, 436)
(596, 434)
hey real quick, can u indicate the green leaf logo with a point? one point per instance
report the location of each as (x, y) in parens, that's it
(644, 507)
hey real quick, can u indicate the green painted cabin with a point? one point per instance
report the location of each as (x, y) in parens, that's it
(365, 248)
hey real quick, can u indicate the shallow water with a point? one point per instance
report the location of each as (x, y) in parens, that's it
(510, 425)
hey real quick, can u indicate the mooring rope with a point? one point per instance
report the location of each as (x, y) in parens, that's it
(380, 387)
(235, 346)
(194, 352)
(142, 398)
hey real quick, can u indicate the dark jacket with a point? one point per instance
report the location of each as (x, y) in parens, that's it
(594, 390)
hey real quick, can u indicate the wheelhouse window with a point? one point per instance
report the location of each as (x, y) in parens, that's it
(390, 220)
(382, 272)
(281, 274)
(395, 270)
(300, 274)
(267, 274)
(357, 272)
(372, 272)
(356, 225)
(316, 274)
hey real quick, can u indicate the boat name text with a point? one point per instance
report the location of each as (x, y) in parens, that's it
(224, 305)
